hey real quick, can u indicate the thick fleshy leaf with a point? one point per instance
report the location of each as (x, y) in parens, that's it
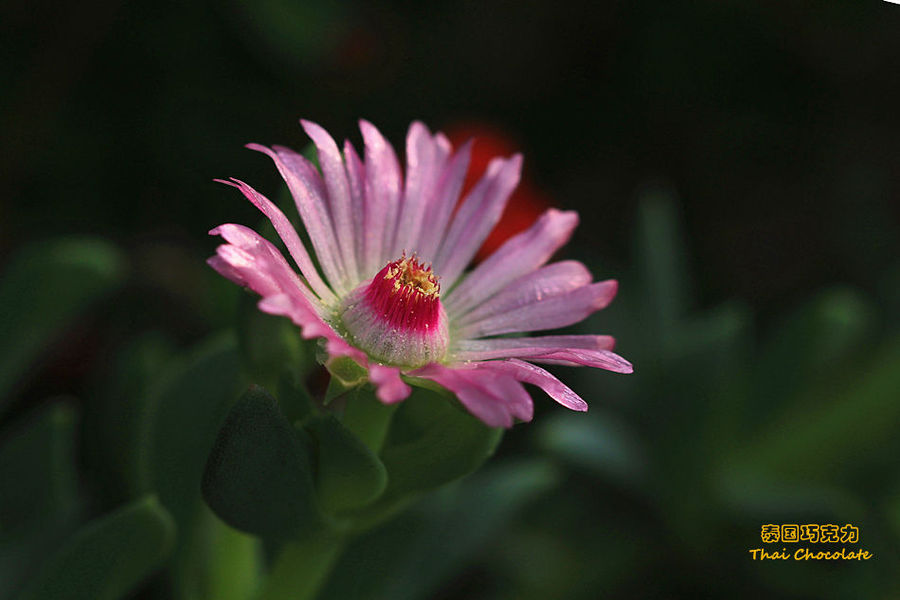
(431, 441)
(109, 557)
(225, 564)
(348, 474)
(821, 335)
(185, 412)
(848, 414)
(597, 442)
(38, 470)
(259, 477)
(413, 555)
(39, 504)
(45, 286)
(115, 411)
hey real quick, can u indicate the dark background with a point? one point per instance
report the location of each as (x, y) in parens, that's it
(763, 136)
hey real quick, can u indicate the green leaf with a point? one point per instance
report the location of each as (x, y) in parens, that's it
(115, 411)
(38, 474)
(39, 499)
(44, 287)
(432, 441)
(410, 557)
(185, 412)
(259, 475)
(661, 258)
(226, 564)
(349, 475)
(819, 336)
(596, 442)
(296, 402)
(845, 417)
(109, 557)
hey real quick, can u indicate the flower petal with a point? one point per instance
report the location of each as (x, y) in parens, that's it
(311, 325)
(494, 399)
(391, 388)
(518, 256)
(425, 158)
(309, 194)
(547, 313)
(288, 235)
(535, 375)
(572, 357)
(383, 185)
(257, 264)
(475, 219)
(537, 286)
(339, 202)
(550, 342)
(444, 200)
(356, 177)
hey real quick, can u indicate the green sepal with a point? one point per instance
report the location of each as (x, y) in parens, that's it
(259, 474)
(108, 557)
(349, 475)
(346, 374)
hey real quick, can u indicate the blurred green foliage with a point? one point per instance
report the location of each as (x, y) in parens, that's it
(666, 479)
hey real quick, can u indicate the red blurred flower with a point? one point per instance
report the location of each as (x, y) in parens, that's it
(525, 205)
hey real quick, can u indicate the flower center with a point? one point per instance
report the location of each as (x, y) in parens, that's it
(397, 317)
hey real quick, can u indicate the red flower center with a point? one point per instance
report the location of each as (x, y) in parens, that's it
(406, 294)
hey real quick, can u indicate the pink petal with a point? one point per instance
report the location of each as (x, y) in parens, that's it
(288, 235)
(538, 286)
(550, 342)
(309, 195)
(444, 200)
(493, 399)
(425, 159)
(573, 357)
(258, 264)
(518, 256)
(356, 177)
(475, 219)
(391, 388)
(339, 201)
(311, 325)
(535, 375)
(547, 313)
(383, 181)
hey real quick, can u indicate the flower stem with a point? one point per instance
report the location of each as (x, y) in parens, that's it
(368, 417)
(302, 567)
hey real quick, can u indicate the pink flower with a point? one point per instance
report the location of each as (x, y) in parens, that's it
(393, 294)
